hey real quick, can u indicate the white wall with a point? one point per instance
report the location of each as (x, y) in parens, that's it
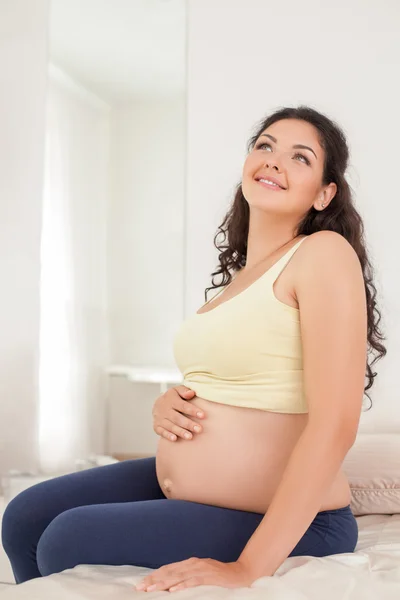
(160, 232)
(146, 229)
(249, 57)
(146, 256)
(23, 75)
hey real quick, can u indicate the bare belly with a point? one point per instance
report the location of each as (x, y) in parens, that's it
(237, 460)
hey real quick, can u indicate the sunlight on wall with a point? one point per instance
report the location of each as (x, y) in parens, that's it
(55, 423)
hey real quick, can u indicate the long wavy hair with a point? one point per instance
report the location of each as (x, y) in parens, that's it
(340, 216)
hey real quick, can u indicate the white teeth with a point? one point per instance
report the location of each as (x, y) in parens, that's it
(267, 181)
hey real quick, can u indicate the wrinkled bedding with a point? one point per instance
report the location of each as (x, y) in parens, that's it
(371, 572)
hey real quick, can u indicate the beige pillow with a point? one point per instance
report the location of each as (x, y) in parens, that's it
(372, 466)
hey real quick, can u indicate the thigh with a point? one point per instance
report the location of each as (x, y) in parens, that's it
(331, 532)
(154, 533)
(125, 481)
(30, 512)
(147, 534)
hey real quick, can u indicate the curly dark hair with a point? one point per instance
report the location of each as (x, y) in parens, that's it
(340, 216)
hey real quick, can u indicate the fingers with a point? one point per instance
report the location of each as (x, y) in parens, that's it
(165, 433)
(165, 577)
(188, 583)
(184, 405)
(171, 428)
(174, 576)
(188, 409)
(169, 415)
(163, 584)
(184, 391)
(183, 422)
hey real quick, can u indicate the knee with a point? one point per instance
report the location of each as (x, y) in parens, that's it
(19, 519)
(56, 550)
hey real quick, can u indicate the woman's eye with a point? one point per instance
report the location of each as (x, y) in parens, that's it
(297, 153)
(264, 144)
(302, 156)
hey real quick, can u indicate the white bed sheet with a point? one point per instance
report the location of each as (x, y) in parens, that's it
(372, 572)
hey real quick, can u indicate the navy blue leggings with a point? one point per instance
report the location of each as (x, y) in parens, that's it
(118, 515)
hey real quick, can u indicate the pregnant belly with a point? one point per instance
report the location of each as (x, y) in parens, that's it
(237, 460)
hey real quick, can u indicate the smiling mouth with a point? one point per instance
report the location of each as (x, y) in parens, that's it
(270, 186)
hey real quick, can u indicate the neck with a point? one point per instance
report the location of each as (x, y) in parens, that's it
(263, 241)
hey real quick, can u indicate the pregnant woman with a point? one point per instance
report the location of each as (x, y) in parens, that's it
(276, 363)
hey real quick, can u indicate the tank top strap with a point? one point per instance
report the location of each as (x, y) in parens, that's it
(273, 271)
(222, 288)
(276, 269)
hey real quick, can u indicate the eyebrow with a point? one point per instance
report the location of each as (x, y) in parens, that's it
(295, 146)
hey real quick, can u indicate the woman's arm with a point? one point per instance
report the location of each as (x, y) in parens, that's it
(311, 469)
(333, 315)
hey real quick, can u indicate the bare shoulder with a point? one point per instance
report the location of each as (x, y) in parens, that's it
(327, 242)
(327, 251)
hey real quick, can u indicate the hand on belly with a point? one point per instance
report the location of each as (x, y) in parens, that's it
(235, 462)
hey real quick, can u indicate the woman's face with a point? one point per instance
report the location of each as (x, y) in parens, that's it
(298, 170)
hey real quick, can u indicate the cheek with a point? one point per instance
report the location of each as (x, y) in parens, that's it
(250, 168)
(247, 185)
(303, 181)
(305, 191)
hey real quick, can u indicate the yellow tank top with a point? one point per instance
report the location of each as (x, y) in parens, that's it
(246, 351)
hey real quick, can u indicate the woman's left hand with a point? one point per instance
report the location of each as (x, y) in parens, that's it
(194, 572)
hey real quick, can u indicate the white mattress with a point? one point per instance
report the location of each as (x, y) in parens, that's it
(371, 572)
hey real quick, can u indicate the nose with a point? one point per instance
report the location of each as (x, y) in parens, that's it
(272, 164)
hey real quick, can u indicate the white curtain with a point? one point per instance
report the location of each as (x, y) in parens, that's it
(73, 330)
(57, 330)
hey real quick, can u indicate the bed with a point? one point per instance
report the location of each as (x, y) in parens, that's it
(371, 572)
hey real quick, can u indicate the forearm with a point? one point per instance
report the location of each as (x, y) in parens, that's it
(311, 470)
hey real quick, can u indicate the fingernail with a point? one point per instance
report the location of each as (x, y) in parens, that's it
(199, 414)
(197, 428)
(152, 587)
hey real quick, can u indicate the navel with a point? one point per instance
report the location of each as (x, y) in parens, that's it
(167, 485)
